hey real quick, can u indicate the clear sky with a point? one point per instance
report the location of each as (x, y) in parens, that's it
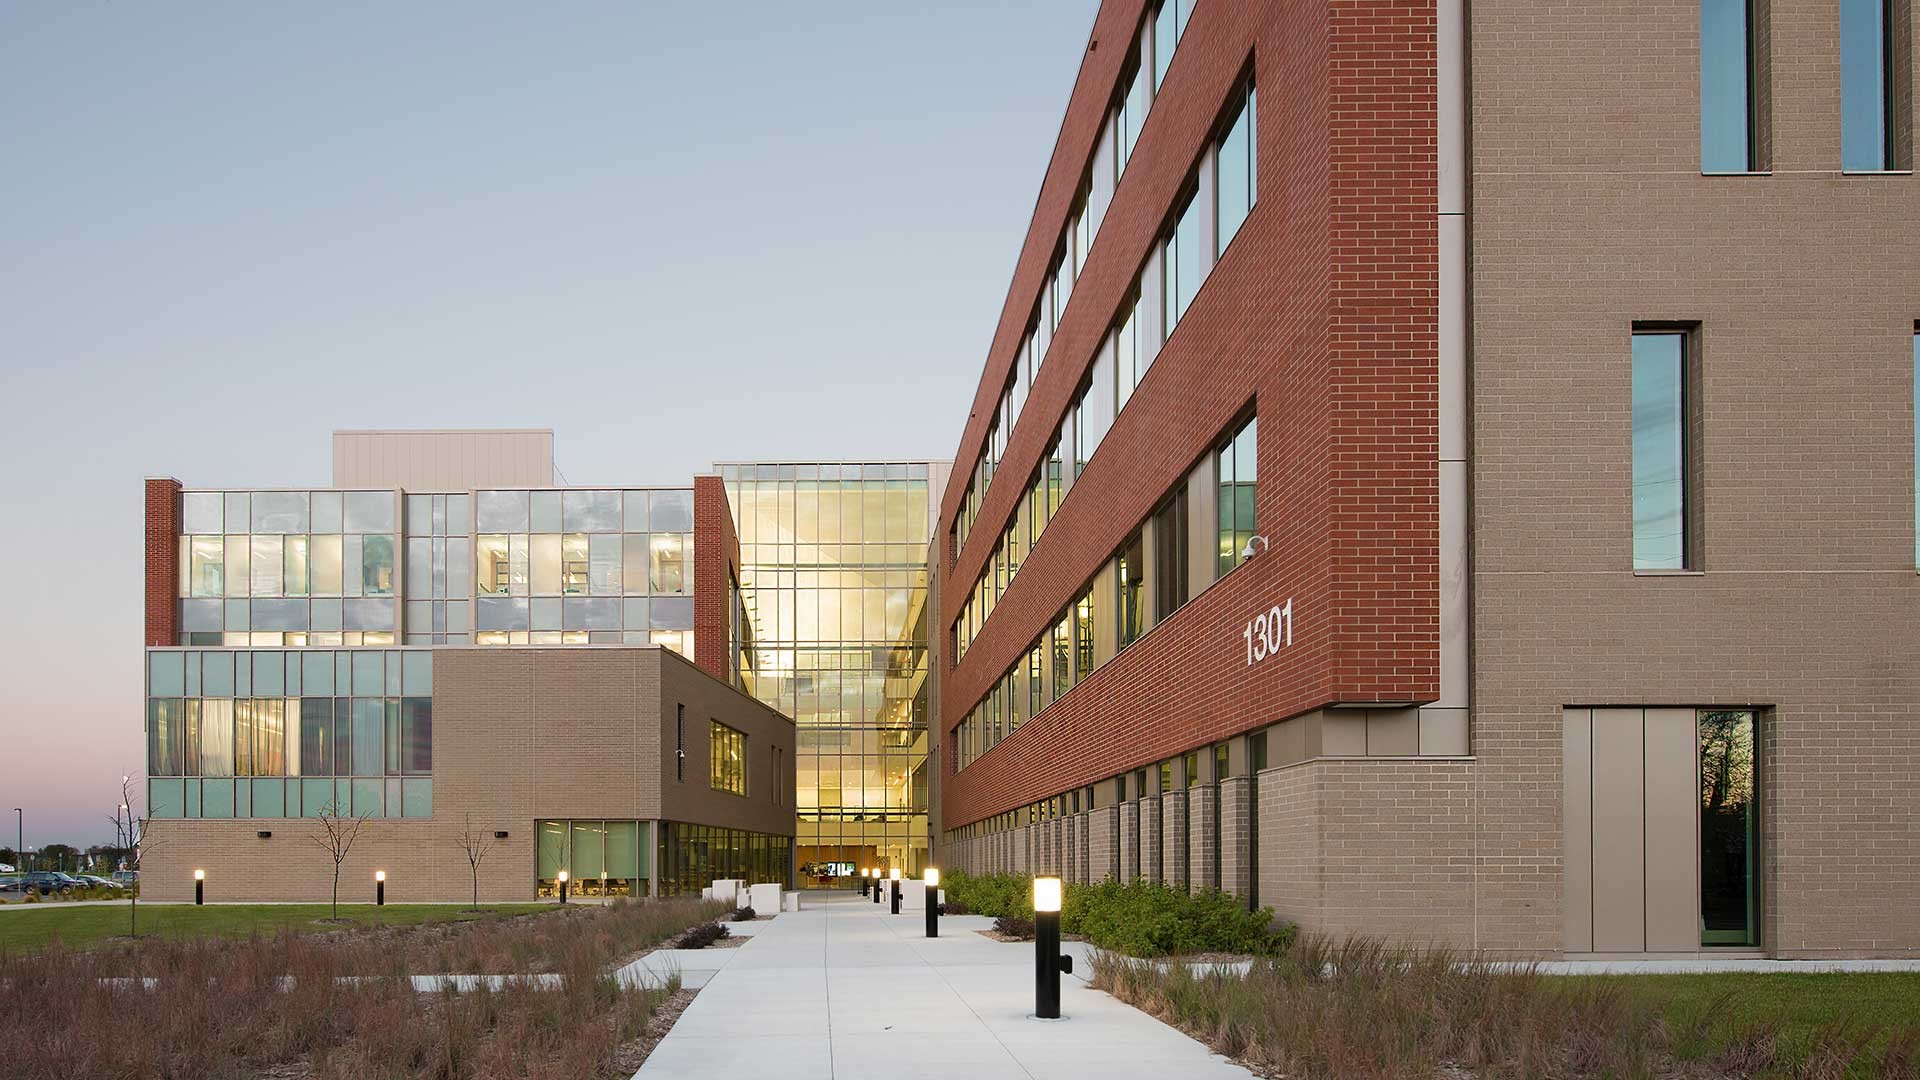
(674, 233)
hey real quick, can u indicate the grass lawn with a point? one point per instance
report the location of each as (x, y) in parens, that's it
(28, 928)
(1798, 1006)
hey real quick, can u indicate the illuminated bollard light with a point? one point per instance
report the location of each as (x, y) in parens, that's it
(1047, 961)
(895, 878)
(199, 886)
(379, 888)
(933, 901)
(563, 886)
(865, 875)
(876, 884)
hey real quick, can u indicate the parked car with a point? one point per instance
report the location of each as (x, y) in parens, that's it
(13, 886)
(95, 882)
(50, 882)
(126, 879)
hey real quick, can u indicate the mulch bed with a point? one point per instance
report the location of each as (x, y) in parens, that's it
(630, 1055)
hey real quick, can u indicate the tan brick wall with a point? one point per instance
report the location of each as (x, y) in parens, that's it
(1103, 858)
(1130, 841)
(520, 735)
(1589, 213)
(1203, 839)
(1153, 864)
(1235, 834)
(1173, 838)
(1381, 847)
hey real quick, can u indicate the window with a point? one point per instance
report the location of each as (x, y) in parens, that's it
(1236, 175)
(1170, 555)
(1180, 267)
(1062, 656)
(1132, 578)
(1659, 450)
(1238, 467)
(1169, 23)
(1729, 119)
(1869, 106)
(1083, 636)
(1729, 829)
(728, 767)
(1036, 682)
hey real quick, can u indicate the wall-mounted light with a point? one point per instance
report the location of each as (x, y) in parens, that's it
(264, 833)
(500, 834)
(1248, 552)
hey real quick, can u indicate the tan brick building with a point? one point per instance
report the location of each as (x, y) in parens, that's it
(1563, 603)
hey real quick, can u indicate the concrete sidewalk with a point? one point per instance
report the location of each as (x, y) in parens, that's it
(841, 989)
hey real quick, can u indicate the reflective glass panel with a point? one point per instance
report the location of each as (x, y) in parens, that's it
(1866, 109)
(1729, 829)
(1726, 103)
(1659, 452)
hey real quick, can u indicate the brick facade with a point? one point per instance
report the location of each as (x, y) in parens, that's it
(520, 735)
(1321, 314)
(163, 560)
(716, 566)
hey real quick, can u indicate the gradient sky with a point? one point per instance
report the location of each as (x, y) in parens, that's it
(674, 233)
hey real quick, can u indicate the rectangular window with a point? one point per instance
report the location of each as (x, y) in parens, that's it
(1729, 120)
(1169, 23)
(1729, 829)
(1133, 111)
(1083, 636)
(1036, 682)
(1180, 267)
(1062, 656)
(1236, 183)
(1238, 467)
(1170, 556)
(1659, 450)
(1868, 105)
(1132, 577)
(729, 759)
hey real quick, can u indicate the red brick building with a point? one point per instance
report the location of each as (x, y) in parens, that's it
(1286, 554)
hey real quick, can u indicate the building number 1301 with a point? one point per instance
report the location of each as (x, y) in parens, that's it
(1270, 632)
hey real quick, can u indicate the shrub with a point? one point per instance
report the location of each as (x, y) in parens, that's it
(989, 894)
(745, 914)
(1014, 926)
(701, 936)
(1141, 918)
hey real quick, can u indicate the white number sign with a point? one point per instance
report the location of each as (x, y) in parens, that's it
(1269, 632)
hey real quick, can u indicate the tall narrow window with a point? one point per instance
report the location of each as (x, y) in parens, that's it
(1867, 103)
(1036, 682)
(1083, 637)
(1063, 656)
(728, 759)
(1132, 576)
(1729, 829)
(1170, 555)
(1237, 185)
(1238, 465)
(1659, 450)
(1729, 120)
(1180, 267)
(1169, 23)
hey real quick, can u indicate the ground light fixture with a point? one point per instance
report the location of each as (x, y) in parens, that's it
(895, 878)
(932, 878)
(379, 888)
(563, 886)
(863, 881)
(876, 884)
(1047, 961)
(199, 887)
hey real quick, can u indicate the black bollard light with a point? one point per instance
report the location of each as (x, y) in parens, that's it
(199, 886)
(1047, 961)
(895, 879)
(933, 901)
(563, 886)
(379, 888)
(876, 884)
(865, 875)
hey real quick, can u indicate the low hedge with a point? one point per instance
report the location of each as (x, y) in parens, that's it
(1141, 918)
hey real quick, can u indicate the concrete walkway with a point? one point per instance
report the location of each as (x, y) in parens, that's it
(842, 989)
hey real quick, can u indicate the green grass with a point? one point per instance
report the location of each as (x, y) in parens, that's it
(33, 927)
(1798, 1006)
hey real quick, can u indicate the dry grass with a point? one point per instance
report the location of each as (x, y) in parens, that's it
(1361, 1010)
(222, 1009)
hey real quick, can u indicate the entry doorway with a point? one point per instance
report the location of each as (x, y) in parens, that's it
(1661, 829)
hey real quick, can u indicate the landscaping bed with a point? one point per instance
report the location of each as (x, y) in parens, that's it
(1139, 919)
(282, 1005)
(1363, 1010)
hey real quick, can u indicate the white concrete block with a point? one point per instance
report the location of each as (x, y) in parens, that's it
(764, 897)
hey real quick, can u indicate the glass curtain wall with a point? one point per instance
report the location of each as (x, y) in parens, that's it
(833, 574)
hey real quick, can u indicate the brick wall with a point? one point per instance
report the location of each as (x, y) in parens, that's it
(716, 563)
(163, 560)
(1322, 312)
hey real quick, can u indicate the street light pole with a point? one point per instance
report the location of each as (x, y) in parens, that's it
(20, 837)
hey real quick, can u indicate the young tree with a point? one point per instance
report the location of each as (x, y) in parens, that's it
(475, 845)
(336, 835)
(130, 834)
